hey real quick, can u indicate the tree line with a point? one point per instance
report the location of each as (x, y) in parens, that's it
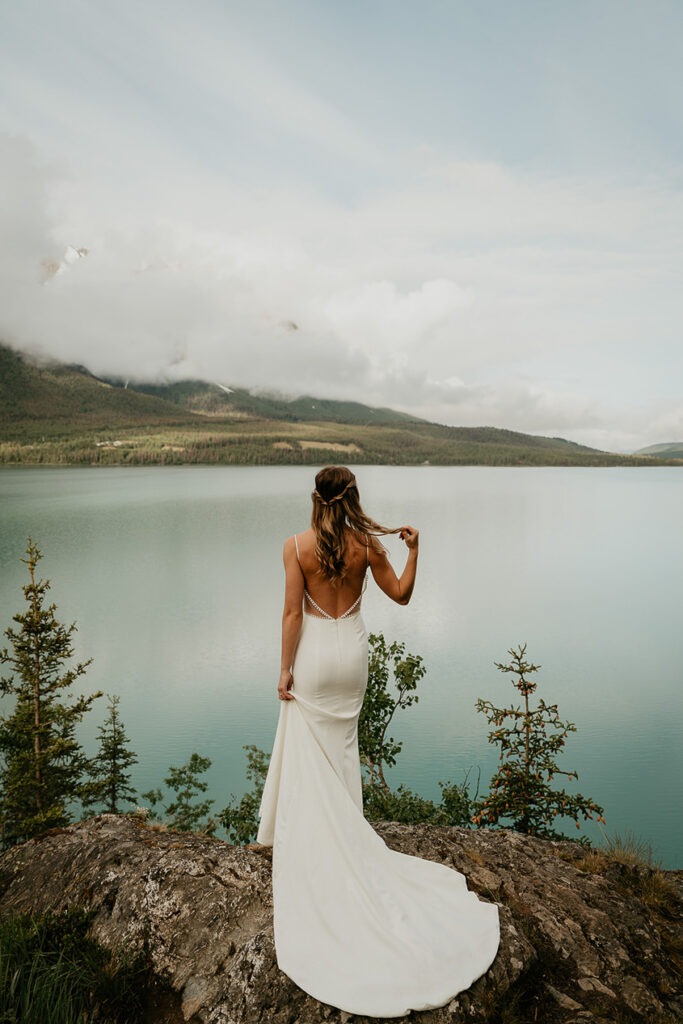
(44, 770)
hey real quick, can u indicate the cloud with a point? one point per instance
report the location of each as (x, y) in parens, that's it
(473, 295)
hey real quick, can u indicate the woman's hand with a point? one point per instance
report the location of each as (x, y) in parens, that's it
(410, 535)
(285, 685)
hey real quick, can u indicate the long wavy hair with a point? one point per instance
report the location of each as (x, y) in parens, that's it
(336, 507)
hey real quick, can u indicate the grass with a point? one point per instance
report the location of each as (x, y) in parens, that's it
(642, 873)
(630, 849)
(52, 970)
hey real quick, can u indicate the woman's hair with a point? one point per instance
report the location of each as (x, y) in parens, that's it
(336, 506)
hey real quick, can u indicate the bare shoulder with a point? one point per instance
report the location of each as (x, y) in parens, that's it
(299, 542)
(289, 547)
(376, 547)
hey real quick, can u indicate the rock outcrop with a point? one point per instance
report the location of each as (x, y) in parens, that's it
(583, 938)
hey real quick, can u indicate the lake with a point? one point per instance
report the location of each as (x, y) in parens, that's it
(174, 576)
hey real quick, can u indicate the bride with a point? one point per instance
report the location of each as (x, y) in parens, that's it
(357, 925)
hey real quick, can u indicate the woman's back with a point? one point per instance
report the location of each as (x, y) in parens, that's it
(333, 601)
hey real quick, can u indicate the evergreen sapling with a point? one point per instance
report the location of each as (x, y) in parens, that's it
(520, 789)
(42, 764)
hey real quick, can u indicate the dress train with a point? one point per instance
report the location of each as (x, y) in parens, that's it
(357, 925)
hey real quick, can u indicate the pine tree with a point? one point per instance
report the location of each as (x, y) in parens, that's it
(529, 747)
(109, 782)
(41, 761)
(183, 813)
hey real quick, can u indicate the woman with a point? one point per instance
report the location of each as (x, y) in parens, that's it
(356, 925)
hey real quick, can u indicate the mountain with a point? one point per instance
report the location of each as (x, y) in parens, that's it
(666, 450)
(53, 413)
(51, 391)
(219, 400)
(51, 397)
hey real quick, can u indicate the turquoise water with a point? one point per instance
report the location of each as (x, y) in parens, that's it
(174, 576)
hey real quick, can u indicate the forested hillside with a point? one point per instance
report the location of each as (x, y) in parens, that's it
(54, 414)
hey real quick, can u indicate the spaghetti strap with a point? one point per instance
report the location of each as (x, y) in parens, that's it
(296, 544)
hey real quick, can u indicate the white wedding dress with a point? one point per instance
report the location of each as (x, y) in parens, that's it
(357, 925)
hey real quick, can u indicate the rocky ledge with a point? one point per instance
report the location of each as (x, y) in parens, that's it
(584, 938)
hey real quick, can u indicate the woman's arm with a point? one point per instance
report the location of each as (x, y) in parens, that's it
(399, 590)
(291, 617)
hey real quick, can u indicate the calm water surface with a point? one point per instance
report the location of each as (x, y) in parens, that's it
(174, 576)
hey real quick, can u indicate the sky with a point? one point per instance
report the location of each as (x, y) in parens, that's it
(469, 211)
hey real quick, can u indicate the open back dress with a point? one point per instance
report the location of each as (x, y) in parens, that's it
(356, 925)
